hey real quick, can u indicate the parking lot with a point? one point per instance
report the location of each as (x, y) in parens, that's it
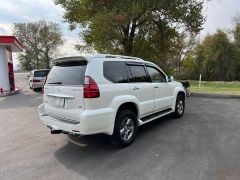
(204, 144)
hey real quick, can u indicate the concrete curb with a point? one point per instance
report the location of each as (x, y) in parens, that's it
(10, 93)
(223, 96)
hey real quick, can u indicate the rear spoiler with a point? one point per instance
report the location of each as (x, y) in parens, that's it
(66, 59)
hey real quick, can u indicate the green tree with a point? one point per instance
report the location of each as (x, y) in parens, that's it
(213, 57)
(236, 44)
(41, 40)
(147, 28)
(188, 67)
(218, 52)
(217, 56)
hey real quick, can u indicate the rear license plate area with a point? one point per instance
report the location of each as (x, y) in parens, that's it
(56, 101)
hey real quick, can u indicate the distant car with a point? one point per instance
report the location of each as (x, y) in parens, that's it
(37, 78)
(108, 94)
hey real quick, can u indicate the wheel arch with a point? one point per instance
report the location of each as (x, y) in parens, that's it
(130, 106)
(178, 91)
(182, 93)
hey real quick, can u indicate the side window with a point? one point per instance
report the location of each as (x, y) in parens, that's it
(155, 75)
(115, 72)
(138, 73)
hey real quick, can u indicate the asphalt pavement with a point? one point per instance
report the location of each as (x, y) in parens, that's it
(203, 145)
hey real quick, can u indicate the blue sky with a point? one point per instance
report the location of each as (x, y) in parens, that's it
(219, 15)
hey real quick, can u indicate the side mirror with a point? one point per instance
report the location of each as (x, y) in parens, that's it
(170, 79)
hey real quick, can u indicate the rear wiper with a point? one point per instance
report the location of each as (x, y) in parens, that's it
(55, 83)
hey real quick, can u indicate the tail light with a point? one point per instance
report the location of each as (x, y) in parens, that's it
(90, 89)
(44, 85)
(36, 80)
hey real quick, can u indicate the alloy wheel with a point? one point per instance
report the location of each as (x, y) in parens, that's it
(127, 129)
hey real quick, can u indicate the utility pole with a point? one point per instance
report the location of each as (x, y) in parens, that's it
(200, 80)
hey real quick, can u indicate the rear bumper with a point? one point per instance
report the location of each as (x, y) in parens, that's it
(91, 122)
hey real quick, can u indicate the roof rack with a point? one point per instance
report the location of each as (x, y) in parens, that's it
(117, 56)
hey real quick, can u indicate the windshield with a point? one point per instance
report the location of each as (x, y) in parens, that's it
(67, 73)
(42, 73)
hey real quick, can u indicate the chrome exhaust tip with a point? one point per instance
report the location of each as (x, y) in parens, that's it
(56, 130)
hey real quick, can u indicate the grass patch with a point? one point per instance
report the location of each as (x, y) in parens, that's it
(216, 87)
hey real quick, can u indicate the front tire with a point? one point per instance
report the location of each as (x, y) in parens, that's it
(125, 129)
(180, 106)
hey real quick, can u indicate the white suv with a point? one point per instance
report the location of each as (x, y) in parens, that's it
(37, 78)
(107, 94)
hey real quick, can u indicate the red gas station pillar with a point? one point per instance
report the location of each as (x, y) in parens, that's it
(8, 44)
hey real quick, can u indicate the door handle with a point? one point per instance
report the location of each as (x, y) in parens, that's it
(136, 88)
(155, 86)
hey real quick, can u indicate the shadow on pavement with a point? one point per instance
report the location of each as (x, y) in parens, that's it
(88, 155)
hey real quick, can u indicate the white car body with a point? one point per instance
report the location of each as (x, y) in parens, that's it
(37, 81)
(85, 116)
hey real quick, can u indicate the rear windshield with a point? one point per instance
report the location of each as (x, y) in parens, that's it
(42, 73)
(67, 73)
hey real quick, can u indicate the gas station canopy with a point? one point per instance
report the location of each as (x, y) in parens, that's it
(8, 45)
(11, 41)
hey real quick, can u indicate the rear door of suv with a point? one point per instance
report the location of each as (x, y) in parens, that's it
(63, 91)
(141, 87)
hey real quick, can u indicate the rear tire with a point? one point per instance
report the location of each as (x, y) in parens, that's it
(125, 129)
(180, 106)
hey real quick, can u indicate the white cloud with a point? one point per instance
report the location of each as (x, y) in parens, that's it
(28, 10)
(68, 49)
(6, 29)
(219, 14)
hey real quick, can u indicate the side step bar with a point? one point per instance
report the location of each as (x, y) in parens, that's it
(151, 116)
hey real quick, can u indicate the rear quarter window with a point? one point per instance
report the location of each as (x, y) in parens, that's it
(115, 72)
